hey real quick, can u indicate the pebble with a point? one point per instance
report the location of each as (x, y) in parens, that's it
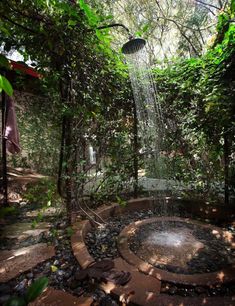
(68, 265)
(73, 283)
(4, 298)
(182, 292)
(62, 225)
(200, 290)
(98, 294)
(21, 286)
(65, 265)
(29, 275)
(23, 203)
(60, 272)
(173, 290)
(56, 262)
(107, 301)
(78, 291)
(5, 288)
(67, 274)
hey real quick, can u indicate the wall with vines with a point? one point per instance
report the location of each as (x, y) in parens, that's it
(198, 97)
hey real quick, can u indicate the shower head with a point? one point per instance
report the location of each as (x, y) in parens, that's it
(133, 45)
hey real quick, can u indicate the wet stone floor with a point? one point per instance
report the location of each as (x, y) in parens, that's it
(101, 243)
(62, 269)
(180, 247)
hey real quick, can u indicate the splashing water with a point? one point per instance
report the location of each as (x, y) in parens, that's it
(171, 238)
(149, 115)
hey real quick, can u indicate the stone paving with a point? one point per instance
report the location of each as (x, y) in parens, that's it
(144, 288)
(14, 262)
(141, 290)
(24, 231)
(53, 297)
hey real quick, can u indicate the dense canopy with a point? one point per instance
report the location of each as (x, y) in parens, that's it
(88, 100)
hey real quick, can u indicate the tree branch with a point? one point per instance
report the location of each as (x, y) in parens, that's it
(182, 25)
(220, 3)
(207, 4)
(34, 17)
(225, 4)
(184, 35)
(18, 25)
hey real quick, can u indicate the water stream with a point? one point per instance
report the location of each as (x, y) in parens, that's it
(151, 128)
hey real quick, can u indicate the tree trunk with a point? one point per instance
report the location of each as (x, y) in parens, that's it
(4, 153)
(65, 162)
(61, 158)
(226, 169)
(68, 165)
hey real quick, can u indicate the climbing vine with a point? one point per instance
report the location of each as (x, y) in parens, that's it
(89, 102)
(198, 97)
(84, 82)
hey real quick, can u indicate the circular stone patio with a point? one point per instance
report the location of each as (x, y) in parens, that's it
(169, 255)
(137, 291)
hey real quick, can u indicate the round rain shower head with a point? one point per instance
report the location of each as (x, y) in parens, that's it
(133, 45)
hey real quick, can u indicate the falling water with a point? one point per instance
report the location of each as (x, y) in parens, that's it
(149, 114)
(148, 109)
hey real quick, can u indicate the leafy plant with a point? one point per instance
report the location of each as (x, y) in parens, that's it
(32, 293)
(121, 202)
(69, 231)
(4, 83)
(4, 211)
(43, 192)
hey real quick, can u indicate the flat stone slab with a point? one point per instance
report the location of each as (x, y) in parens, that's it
(53, 297)
(48, 212)
(140, 290)
(24, 231)
(14, 262)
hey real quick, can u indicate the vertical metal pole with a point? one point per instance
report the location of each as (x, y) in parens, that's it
(4, 152)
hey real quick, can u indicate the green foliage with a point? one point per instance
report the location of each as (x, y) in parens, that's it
(233, 7)
(84, 81)
(44, 193)
(143, 30)
(4, 62)
(121, 202)
(16, 301)
(54, 232)
(32, 293)
(36, 289)
(38, 123)
(69, 231)
(93, 19)
(5, 85)
(5, 211)
(223, 20)
(197, 96)
(85, 85)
